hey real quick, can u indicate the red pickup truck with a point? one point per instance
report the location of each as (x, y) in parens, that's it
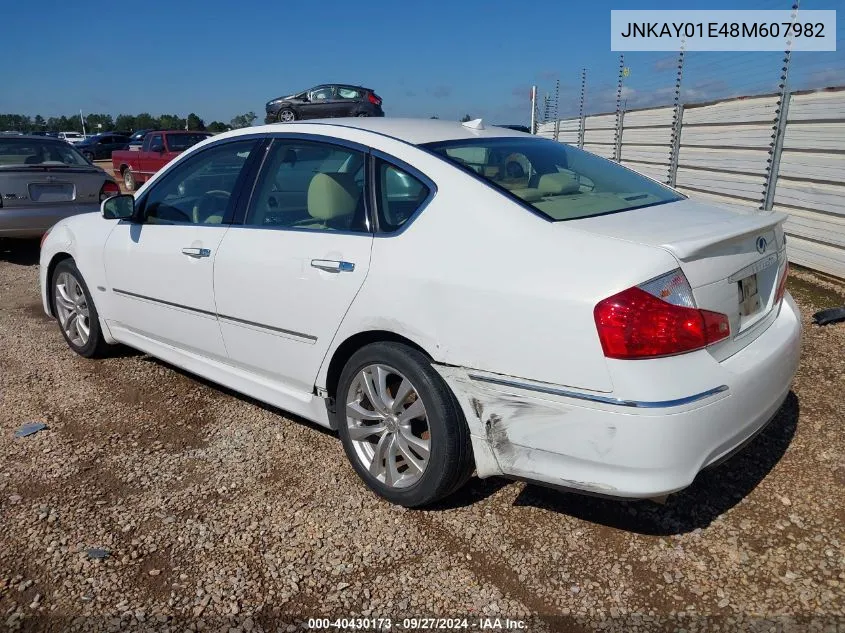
(158, 149)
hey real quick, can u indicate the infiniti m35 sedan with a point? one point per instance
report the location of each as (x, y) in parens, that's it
(450, 298)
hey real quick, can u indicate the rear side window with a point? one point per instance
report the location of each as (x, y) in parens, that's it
(311, 186)
(348, 93)
(400, 194)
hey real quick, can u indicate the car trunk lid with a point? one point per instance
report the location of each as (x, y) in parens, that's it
(731, 259)
(38, 186)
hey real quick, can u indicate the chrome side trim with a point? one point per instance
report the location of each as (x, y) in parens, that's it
(307, 338)
(640, 404)
(134, 295)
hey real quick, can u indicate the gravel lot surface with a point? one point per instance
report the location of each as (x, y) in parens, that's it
(218, 513)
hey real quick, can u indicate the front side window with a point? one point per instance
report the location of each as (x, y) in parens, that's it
(559, 181)
(399, 196)
(156, 142)
(321, 94)
(307, 185)
(200, 189)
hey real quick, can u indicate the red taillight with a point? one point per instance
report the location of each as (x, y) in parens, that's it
(782, 284)
(108, 190)
(636, 324)
(374, 98)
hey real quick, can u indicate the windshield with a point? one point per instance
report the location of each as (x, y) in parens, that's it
(180, 142)
(560, 181)
(38, 152)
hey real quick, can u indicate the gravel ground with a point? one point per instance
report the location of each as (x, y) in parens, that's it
(219, 513)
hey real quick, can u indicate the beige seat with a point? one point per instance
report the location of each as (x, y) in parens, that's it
(332, 201)
(557, 184)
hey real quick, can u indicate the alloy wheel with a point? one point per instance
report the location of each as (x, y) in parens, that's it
(72, 309)
(388, 426)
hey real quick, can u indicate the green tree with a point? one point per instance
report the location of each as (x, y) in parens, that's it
(99, 123)
(434, 116)
(466, 118)
(215, 127)
(38, 122)
(145, 121)
(125, 123)
(195, 123)
(171, 122)
(243, 120)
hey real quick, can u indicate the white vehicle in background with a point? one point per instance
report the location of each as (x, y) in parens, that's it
(71, 137)
(449, 298)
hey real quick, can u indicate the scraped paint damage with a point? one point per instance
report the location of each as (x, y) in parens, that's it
(506, 430)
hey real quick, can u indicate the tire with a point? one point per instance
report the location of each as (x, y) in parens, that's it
(362, 114)
(286, 115)
(88, 156)
(73, 304)
(440, 427)
(129, 179)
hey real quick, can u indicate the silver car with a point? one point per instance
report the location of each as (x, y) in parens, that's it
(43, 180)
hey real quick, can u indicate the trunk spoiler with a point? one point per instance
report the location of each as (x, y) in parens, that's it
(690, 249)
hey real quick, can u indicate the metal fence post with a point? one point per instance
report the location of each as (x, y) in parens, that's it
(557, 117)
(675, 149)
(617, 136)
(779, 126)
(533, 109)
(677, 122)
(581, 108)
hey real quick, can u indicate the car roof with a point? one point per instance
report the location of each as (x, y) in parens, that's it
(35, 137)
(413, 131)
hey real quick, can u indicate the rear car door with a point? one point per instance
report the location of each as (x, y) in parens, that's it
(160, 270)
(285, 278)
(348, 100)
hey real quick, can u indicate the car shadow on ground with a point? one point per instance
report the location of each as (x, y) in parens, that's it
(20, 252)
(714, 492)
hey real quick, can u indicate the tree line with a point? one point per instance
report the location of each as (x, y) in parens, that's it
(122, 123)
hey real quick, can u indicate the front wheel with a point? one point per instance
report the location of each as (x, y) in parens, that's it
(74, 309)
(401, 426)
(286, 115)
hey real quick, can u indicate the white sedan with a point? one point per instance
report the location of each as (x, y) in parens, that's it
(450, 298)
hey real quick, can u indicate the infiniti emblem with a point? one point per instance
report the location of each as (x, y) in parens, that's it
(761, 244)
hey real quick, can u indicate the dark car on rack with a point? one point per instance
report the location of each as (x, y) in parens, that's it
(324, 101)
(101, 146)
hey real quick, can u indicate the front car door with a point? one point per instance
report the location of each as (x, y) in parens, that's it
(285, 278)
(321, 103)
(160, 269)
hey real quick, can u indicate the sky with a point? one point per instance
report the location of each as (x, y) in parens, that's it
(220, 58)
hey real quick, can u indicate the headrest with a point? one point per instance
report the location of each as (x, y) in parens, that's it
(332, 196)
(558, 183)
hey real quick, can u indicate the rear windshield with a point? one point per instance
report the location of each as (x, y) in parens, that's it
(38, 152)
(559, 181)
(180, 142)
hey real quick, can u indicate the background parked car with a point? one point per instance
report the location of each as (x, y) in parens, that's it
(71, 137)
(324, 101)
(44, 180)
(101, 146)
(137, 139)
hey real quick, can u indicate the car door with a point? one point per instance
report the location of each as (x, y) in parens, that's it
(160, 269)
(321, 103)
(149, 158)
(286, 276)
(348, 100)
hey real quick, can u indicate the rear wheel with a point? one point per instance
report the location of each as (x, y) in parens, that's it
(286, 115)
(75, 311)
(128, 179)
(401, 426)
(88, 156)
(362, 114)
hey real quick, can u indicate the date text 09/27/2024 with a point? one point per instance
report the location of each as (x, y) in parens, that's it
(416, 624)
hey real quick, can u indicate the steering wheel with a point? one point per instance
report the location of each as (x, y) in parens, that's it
(211, 204)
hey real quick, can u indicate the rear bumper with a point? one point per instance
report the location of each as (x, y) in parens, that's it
(629, 451)
(29, 222)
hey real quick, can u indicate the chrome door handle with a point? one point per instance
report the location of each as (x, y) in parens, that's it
(196, 252)
(333, 266)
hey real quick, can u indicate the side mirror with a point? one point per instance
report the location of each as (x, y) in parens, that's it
(121, 207)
